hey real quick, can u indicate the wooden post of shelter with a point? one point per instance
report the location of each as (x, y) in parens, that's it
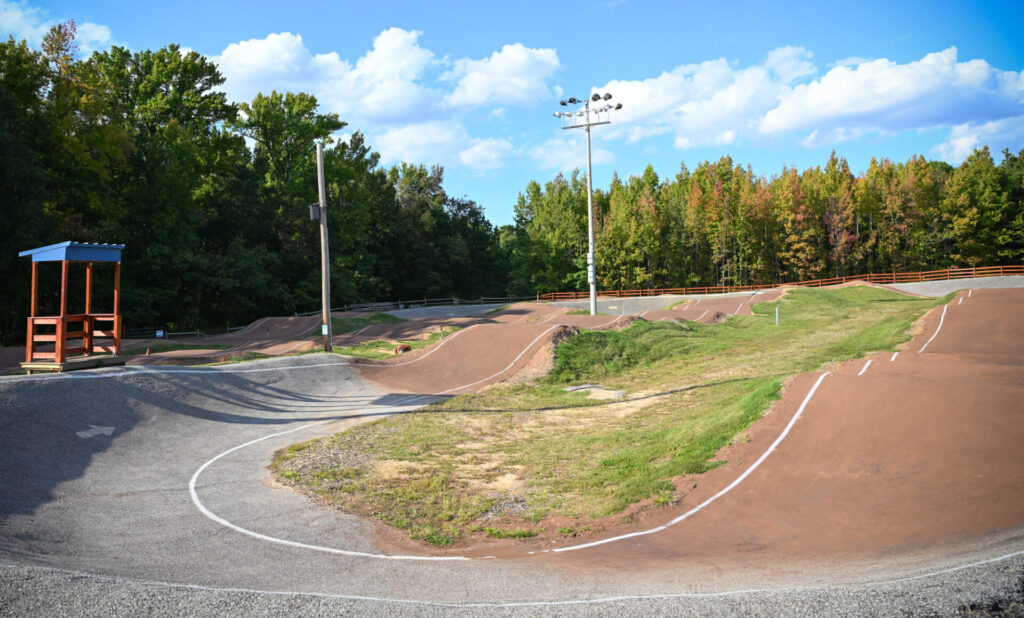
(57, 360)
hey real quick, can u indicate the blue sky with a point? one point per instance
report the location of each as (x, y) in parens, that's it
(472, 85)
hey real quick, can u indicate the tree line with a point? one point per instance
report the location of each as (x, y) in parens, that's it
(721, 224)
(211, 198)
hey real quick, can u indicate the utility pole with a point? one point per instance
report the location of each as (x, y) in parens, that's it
(584, 119)
(325, 253)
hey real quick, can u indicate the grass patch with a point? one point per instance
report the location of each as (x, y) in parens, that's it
(511, 456)
(385, 348)
(517, 533)
(342, 326)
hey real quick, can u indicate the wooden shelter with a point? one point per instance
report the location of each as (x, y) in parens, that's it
(82, 340)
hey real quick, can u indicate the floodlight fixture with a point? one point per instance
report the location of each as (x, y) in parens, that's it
(595, 97)
(563, 103)
(618, 107)
(607, 96)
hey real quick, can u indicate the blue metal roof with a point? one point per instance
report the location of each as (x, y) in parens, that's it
(75, 252)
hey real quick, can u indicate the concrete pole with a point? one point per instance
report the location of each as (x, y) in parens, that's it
(325, 253)
(591, 274)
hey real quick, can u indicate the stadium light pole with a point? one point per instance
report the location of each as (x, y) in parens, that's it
(584, 119)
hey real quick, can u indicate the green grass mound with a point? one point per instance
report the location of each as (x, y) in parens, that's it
(502, 462)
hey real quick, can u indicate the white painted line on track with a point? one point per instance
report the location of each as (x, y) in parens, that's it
(557, 313)
(894, 355)
(704, 314)
(698, 302)
(721, 493)
(514, 361)
(961, 301)
(941, 319)
(220, 520)
(738, 309)
(263, 537)
(969, 292)
(865, 368)
(362, 329)
(608, 322)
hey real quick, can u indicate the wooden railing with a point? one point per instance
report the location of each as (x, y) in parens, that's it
(83, 340)
(884, 278)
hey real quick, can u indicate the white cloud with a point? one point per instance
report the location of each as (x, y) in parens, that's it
(22, 21)
(845, 62)
(396, 92)
(514, 75)
(884, 95)
(93, 37)
(790, 63)
(700, 104)
(565, 153)
(440, 141)
(717, 103)
(426, 142)
(997, 134)
(381, 87)
(486, 154)
(247, 64)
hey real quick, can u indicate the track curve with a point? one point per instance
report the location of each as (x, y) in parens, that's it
(119, 506)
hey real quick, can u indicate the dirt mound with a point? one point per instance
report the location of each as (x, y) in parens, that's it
(543, 360)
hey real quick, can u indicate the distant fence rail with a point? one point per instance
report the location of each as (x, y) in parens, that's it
(884, 278)
(397, 305)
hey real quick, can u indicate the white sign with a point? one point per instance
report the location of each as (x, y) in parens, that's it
(159, 334)
(323, 329)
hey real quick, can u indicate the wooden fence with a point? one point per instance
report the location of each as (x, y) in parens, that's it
(885, 278)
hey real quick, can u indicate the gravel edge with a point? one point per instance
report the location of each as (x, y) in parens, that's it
(994, 588)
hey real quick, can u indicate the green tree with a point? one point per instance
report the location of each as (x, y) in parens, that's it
(1010, 235)
(24, 129)
(975, 204)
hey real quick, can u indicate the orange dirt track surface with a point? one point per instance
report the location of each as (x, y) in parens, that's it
(488, 350)
(708, 309)
(915, 453)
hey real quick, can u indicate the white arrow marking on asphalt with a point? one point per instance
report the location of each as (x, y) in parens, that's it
(93, 431)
